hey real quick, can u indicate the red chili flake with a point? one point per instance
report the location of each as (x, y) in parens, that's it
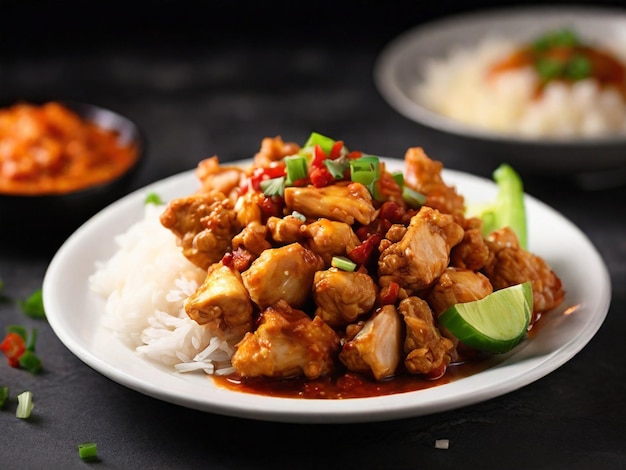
(321, 177)
(392, 212)
(13, 346)
(389, 294)
(362, 253)
(335, 151)
(272, 206)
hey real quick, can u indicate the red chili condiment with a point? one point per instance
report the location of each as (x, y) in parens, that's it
(49, 149)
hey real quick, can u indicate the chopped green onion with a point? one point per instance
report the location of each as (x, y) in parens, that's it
(548, 68)
(88, 451)
(558, 38)
(25, 405)
(337, 167)
(298, 215)
(273, 186)
(33, 305)
(29, 361)
(4, 395)
(398, 177)
(32, 339)
(343, 263)
(578, 68)
(153, 198)
(296, 168)
(17, 329)
(413, 198)
(318, 139)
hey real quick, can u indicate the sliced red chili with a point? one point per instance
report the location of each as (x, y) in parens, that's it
(335, 151)
(362, 253)
(13, 346)
(321, 177)
(389, 294)
(392, 212)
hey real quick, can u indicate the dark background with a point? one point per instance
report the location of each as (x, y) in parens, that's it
(206, 78)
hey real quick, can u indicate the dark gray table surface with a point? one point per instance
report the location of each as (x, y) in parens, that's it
(198, 93)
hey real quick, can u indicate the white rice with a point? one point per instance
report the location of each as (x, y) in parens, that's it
(145, 284)
(456, 88)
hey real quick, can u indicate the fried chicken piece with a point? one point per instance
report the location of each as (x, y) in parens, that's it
(376, 349)
(285, 230)
(274, 149)
(342, 296)
(205, 224)
(427, 351)
(253, 238)
(214, 177)
(423, 253)
(472, 253)
(330, 238)
(341, 202)
(287, 343)
(223, 300)
(424, 175)
(456, 286)
(509, 264)
(282, 273)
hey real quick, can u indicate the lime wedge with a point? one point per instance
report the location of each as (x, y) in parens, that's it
(496, 323)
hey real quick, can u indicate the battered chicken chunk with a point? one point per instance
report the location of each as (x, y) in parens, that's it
(205, 224)
(376, 349)
(274, 149)
(472, 252)
(341, 202)
(214, 177)
(509, 264)
(427, 352)
(223, 300)
(457, 286)
(287, 343)
(282, 273)
(423, 253)
(424, 175)
(342, 296)
(329, 238)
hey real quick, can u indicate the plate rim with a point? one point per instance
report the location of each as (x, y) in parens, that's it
(258, 407)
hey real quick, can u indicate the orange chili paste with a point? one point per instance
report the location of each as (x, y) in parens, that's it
(49, 149)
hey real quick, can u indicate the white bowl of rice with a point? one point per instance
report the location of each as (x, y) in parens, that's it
(441, 75)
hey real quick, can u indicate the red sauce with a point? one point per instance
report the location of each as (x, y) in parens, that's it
(348, 384)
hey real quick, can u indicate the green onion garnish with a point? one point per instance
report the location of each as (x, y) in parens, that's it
(326, 143)
(25, 405)
(296, 168)
(578, 68)
(337, 167)
(33, 305)
(413, 198)
(29, 361)
(4, 395)
(273, 186)
(153, 198)
(17, 329)
(88, 451)
(343, 263)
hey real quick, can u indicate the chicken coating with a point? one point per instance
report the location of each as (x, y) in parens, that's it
(424, 175)
(341, 202)
(214, 177)
(222, 300)
(287, 343)
(509, 264)
(376, 349)
(286, 230)
(205, 225)
(423, 253)
(456, 286)
(282, 273)
(427, 351)
(330, 238)
(274, 149)
(342, 296)
(472, 253)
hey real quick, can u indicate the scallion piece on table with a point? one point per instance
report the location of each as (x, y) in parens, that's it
(88, 451)
(4, 395)
(343, 263)
(153, 198)
(33, 305)
(32, 339)
(17, 329)
(25, 405)
(296, 166)
(29, 361)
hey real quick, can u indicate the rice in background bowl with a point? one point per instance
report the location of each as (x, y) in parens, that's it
(457, 87)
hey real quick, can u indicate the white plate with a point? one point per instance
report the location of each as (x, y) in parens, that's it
(74, 314)
(400, 67)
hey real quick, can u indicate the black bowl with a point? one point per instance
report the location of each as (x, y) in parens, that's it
(46, 220)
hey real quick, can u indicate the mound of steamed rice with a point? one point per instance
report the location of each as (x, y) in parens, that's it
(455, 87)
(145, 284)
